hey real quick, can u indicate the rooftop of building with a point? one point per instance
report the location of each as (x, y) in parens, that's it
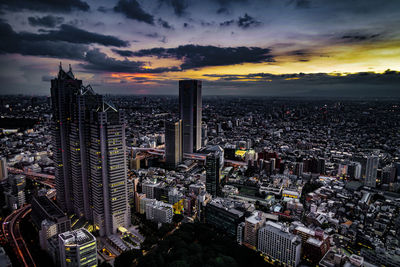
(226, 204)
(50, 207)
(77, 237)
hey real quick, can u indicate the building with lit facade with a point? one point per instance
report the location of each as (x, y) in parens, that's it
(77, 248)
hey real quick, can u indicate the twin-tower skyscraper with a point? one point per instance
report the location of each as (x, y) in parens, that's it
(89, 150)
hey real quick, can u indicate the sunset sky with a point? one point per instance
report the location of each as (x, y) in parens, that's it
(345, 48)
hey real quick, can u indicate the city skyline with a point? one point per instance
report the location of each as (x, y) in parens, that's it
(241, 47)
(199, 133)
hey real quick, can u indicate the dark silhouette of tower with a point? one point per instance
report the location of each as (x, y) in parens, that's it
(64, 89)
(190, 107)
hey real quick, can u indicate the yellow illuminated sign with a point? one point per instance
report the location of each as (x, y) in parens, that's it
(240, 153)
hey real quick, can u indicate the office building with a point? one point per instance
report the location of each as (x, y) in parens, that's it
(371, 171)
(213, 173)
(77, 248)
(221, 213)
(173, 143)
(15, 192)
(161, 192)
(252, 224)
(64, 89)
(143, 204)
(108, 169)
(190, 110)
(275, 241)
(354, 170)
(89, 153)
(148, 188)
(79, 139)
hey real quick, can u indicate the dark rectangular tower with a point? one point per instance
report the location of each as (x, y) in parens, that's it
(64, 89)
(173, 143)
(213, 173)
(190, 107)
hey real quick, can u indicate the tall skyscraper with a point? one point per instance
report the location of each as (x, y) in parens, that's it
(89, 152)
(77, 248)
(190, 108)
(108, 167)
(371, 171)
(64, 89)
(173, 143)
(86, 101)
(213, 173)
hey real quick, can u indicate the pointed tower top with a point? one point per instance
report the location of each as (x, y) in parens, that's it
(60, 65)
(70, 68)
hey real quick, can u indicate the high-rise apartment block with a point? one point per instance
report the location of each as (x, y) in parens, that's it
(252, 224)
(159, 211)
(275, 241)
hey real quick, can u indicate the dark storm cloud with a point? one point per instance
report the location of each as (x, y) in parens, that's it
(46, 21)
(98, 61)
(227, 23)
(164, 24)
(72, 34)
(197, 56)
(179, 6)
(61, 6)
(123, 53)
(132, 10)
(388, 77)
(24, 44)
(244, 22)
(359, 37)
(247, 21)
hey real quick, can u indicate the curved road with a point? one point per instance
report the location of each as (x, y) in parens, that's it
(12, 232)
